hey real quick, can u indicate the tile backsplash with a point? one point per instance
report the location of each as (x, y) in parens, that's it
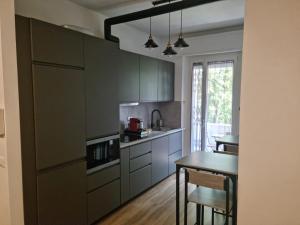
(171, 113)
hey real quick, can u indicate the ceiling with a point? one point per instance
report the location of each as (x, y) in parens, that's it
(216, 15)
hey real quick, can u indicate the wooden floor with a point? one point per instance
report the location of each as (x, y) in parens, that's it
(157, 207)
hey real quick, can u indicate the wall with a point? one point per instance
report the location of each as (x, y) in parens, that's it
(143, 111)
(225, 42)
(62, 12)
(4, 190)
(11, 203)
(269, 161)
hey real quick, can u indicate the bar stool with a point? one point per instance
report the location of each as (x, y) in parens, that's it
(212, 190)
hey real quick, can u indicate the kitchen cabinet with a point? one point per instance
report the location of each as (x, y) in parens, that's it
(175, 150)
(175, 141)
(102, 99)
(140, 180)
(125, 188)
(148, 79)
(59, 106)
(102, 177)
(62, 195)
(140, 162)
(165, 90)
(160, 159)
(172, 158)
(56, 45)
(140, 149)
(129, 77)
(102, 201)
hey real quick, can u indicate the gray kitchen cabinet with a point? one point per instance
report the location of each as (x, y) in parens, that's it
(148, 79)
(140, 180)
(129, 77)
(125, 188)
(102, 177)
(102, 201)
(59, 113)
(140, 149)
(140, 162)
(172, 158)
(160, 159)
(175, 141)
(56, 45)
(165, 90)
(62, 195)
(102, 100)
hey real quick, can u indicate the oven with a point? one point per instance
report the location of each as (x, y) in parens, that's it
(102, 153)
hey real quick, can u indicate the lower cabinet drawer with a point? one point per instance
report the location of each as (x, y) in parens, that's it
(103, 200)
(172, 159)
(102, 177)
(140, 162)
(140, 180)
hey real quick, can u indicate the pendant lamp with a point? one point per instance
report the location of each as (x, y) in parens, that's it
(150, 43)
(169, 51)
(180, 43)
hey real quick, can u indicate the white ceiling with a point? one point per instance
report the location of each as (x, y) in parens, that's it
(221, 14)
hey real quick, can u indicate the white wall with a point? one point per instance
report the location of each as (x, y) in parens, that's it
(269, 161)
(11, 196)
(226, 42)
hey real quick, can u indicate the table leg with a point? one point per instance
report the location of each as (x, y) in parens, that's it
(177, 195)
(234, 200)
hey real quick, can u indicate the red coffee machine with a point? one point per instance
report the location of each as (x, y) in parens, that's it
(134, 124)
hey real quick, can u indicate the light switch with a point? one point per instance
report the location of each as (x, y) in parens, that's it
(2, 123)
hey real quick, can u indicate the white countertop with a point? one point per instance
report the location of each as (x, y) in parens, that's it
(153, 135)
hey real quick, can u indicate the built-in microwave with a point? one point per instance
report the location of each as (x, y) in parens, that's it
(102, 152)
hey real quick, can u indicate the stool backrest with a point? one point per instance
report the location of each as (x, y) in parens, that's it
(206, 179)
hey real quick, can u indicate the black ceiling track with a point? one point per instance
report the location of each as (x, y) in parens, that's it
(155, 11)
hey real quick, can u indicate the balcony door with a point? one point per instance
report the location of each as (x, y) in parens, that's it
(215, 100)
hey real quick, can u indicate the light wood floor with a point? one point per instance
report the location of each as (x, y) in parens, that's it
(157, 207)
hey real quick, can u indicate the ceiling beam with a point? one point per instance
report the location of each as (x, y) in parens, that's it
(155, 11)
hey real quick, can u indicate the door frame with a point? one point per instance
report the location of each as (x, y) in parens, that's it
(236, 90)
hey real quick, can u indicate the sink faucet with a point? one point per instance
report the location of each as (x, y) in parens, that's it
(152, 113)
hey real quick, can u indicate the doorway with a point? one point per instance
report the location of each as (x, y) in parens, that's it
(214, 100)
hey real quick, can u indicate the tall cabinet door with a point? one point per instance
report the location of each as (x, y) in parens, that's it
(148, 79)
(62, 198)
(59, 105)
(102, 99)
(165, 90)
(129, 77)
(160, 159)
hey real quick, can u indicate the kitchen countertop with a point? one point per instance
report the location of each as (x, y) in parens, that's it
(153, 135)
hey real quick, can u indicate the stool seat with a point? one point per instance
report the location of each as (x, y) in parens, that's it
(209, 197)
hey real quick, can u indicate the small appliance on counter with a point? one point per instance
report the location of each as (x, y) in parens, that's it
(133, 135)
(102, 152)
(135, 124)
(134, 131)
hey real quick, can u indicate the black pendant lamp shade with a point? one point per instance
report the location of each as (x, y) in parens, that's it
(150, 43)
(180, 43)
(169, 51)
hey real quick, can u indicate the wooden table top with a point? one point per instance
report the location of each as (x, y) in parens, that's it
(212, 162)
(229, 139)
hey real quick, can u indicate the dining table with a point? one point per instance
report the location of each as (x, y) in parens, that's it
(228, 139)
(210, 162)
